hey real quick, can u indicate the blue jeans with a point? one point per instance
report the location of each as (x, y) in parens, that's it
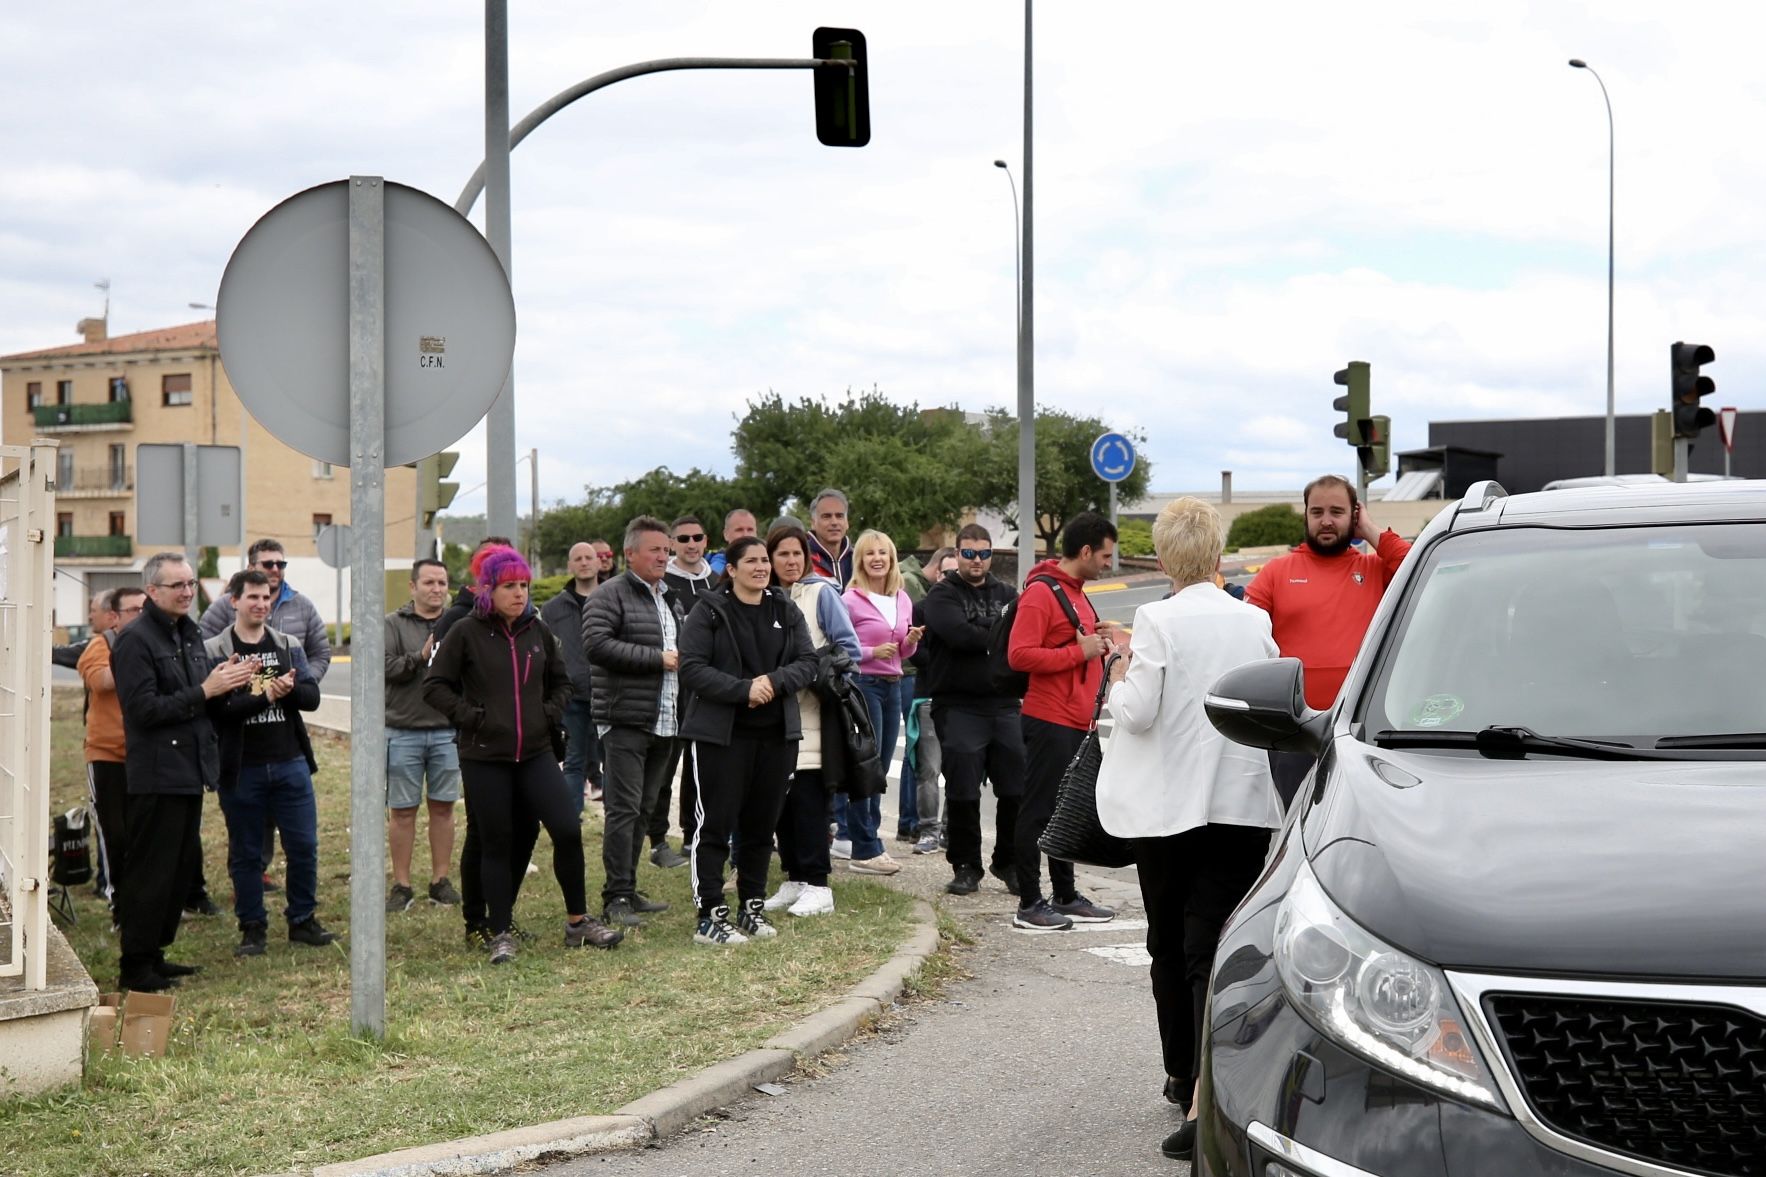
(863, 818)
(907, 813)
(582, 755)
(284, 793)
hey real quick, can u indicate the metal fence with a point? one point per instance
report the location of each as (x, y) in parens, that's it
(27, 518)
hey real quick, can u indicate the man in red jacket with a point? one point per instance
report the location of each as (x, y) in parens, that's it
(1065, 665)
(1321, 596)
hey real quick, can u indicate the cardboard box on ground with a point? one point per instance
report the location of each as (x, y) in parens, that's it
(145, 1020)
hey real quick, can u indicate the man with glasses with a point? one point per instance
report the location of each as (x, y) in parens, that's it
(604, 553)
(292, 615)
(107, 780)
(166, 687)
(978, 727)
(689, 577)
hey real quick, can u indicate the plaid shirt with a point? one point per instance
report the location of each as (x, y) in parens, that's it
(667, 724)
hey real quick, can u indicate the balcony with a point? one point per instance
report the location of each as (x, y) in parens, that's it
(97, 483)
(94, 547)
(84, 418)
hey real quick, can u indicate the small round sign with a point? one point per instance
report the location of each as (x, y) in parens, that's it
(1112, 457)
(283, 317)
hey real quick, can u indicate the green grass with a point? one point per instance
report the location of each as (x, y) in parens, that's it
(262, 1074)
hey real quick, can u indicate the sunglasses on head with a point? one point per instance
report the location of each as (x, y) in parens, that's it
(975, 553)
(695, 537)
(272, 563)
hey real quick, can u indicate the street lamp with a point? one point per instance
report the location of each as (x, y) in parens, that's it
(1017, 275)
(1578, 63)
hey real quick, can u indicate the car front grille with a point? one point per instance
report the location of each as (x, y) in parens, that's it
(1673, 1083)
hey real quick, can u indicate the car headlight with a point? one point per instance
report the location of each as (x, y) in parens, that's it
(1374, 1000)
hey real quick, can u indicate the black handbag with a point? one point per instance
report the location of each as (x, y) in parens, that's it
(851, 761)
(1074, 833)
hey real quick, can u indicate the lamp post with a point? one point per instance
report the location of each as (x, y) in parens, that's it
(1026, 335)
(1578, 63)
(1017, 275)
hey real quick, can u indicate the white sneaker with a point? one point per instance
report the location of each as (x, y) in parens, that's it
(787, 894)
(815, 901)
(880, 865)
(840, 848)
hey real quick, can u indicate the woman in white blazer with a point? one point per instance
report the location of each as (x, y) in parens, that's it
(1198, 807)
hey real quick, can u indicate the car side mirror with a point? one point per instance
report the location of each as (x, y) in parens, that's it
(1263, 705)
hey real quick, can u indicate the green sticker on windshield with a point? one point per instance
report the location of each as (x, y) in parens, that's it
(1437, 710)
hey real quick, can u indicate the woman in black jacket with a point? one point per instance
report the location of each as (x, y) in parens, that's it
(500, 677)
(745, 654)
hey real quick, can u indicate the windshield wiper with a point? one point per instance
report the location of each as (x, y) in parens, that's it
(1727, 740)
(1513, 743)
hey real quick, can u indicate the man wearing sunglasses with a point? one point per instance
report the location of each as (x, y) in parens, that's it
(690, 577)
(977, 725)
(293, 616)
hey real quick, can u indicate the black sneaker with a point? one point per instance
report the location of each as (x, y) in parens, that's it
(502, 948)
(966, 882)
(399, 898)
(310, 931)
(478, 936)
(1007, 874)
(171, 968)
(644, 905)
(203, 906)
(1180, 1145)
(442, 892)
(716, 929)
(519, 932)
(620, 914)
(1041, 917)
(146, 981)
(252, 940)
(752, 921)
(1177, 1091)
(1081, 910)
(666, 856)
(590, 933)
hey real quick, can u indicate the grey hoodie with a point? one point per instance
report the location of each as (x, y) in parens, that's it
(292, 614)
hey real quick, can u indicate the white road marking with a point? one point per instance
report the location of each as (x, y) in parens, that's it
(1116, 925)
(1134, 955)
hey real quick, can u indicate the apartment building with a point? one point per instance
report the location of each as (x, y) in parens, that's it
(102, 397)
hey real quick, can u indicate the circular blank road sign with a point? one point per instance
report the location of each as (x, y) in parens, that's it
(284, 323)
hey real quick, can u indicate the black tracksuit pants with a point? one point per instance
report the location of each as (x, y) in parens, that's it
(498, 793)
(1048, 749)
(1190, 883)
(659, 816)
(162, 858)
(109, 785)
(742, 788)
(803, 829)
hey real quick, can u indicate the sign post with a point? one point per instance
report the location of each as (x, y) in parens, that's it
(333, 542)
(368, 325)
(1112, 459)
(1726, 419)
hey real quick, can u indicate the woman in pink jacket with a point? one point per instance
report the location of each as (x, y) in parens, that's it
(883, 615)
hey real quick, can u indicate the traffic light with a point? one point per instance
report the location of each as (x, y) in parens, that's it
(1354, 405)
(843, 92)
(1376, 454)
(436, 494)
(1684, 361)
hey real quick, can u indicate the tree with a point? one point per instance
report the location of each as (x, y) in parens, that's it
(1065, 482)
(904, 469)
(1268, 526)
(660, 492)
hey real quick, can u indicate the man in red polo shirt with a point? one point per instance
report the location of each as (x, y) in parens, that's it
(1321, 596)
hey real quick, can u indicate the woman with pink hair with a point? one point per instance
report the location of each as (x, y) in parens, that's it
(500, 677)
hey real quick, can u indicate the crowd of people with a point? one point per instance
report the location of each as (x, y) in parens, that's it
(697, 689)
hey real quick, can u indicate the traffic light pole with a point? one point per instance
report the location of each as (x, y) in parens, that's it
(1682, 458)
(1027, 345)
(500, 421)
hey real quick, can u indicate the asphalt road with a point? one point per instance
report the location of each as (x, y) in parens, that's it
(1044, 1060)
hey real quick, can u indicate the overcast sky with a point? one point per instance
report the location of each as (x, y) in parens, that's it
(1230, 202)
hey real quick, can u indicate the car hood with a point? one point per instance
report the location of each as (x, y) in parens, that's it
(1635, 868)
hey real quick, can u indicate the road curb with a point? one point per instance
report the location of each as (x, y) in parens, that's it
(670, 1109)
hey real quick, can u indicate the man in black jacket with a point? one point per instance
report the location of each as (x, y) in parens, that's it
(689, 578)
(978, 727)
(166, 688)
(563, 615)
(630, 635)
(267, 766)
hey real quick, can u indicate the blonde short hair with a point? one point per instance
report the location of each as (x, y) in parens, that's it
(1188, 538)
(891, 579)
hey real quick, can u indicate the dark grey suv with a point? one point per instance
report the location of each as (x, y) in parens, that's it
(1516, 922)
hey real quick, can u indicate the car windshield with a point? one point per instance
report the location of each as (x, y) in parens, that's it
(1626, 634)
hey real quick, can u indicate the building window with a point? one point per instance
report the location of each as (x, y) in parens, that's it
(175, 389)
(119, 389)
(33, 394)
(64, 469)
(64, 523)
(320, 522)
(321, 469)
(119, 467)
(64, 392)
(118, 525)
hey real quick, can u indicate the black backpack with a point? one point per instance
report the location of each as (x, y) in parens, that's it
(999, 638)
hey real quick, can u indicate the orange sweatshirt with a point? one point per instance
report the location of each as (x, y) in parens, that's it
(104, 715)
(1319, 607)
